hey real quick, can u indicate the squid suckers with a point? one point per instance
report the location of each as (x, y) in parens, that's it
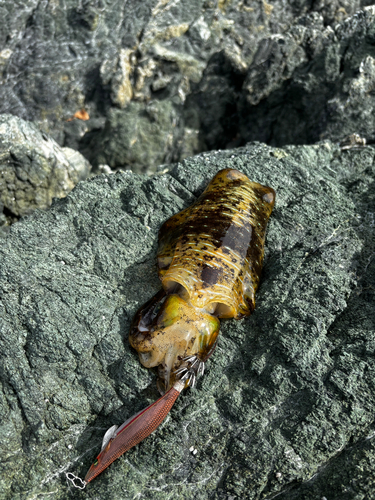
(210, 258)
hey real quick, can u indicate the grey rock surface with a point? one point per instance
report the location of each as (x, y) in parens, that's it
(312, 82)
(163, 80)
(135, 137)
(33, 169)
(286, 404)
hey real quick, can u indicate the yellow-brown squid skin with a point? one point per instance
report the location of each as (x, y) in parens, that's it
(210, 258)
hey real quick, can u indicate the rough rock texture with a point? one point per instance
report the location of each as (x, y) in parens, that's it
(137, 136)
(286, 405)
(311, 83)
(162, 80)
(33, 169)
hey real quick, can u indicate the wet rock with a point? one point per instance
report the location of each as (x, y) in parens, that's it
(33, 169)
(286, 404)
(221, 73)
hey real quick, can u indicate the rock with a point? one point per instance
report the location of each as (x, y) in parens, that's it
(286, 404)
(34, 168)
(219, 74)
(136, 137)
(312, 83)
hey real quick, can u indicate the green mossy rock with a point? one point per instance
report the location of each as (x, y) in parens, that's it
(286, 404)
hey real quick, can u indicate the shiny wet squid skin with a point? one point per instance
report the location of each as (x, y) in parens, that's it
(210, 258)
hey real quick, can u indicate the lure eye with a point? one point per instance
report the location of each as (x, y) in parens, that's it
(95, 463)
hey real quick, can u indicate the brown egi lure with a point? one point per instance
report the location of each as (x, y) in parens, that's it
(209, 259)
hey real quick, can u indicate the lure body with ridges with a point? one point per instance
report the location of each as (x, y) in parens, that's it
(133, 431)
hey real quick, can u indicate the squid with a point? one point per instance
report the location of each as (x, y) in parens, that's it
(210, 258)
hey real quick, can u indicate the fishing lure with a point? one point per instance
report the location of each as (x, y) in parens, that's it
(210, 258)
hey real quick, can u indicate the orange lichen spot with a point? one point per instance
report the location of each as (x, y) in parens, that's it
(82, 114)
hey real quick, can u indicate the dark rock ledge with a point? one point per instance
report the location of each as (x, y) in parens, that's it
(286, 407)
(163, 80)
